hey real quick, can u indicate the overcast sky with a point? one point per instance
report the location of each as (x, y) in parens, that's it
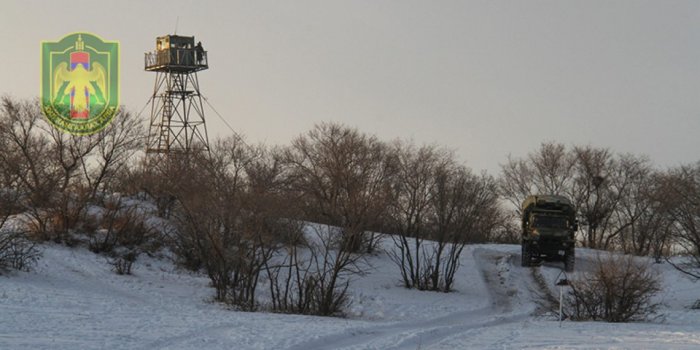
(485, 78)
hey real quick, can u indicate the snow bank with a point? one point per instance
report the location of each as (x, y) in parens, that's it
(73, 301)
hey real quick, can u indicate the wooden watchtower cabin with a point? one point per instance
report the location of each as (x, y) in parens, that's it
(177, 53)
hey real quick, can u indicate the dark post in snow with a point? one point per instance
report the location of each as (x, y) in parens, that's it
(562, 283)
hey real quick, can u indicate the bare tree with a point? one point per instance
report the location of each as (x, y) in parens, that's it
(36, 177)
(29, 148)
(115, 148)
(217, 227)
(549, 170)
(411, 209)
(270, 219)
(629, 179)
(16, 250)
(342, 178)
(684, 211)
(307, 271)
(606, 193)
(291, 281)
(66, 208)
(68, 151)
(463, 206)
(645, 209)
(438, 208)
(592, 192)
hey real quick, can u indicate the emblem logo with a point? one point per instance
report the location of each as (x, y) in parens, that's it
(80, 82)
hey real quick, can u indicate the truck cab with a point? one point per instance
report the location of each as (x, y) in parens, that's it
(549, 226)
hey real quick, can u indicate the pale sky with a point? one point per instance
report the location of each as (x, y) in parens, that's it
(485, 78)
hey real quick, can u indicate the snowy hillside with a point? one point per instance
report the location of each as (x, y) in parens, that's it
(73, 301)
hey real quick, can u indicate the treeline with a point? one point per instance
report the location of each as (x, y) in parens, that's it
(624, 203)
(239, 213)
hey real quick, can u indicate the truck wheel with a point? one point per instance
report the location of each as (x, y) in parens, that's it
(525, 255)
(569, 261)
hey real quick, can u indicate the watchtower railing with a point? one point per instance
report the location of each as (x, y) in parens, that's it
(188, 59)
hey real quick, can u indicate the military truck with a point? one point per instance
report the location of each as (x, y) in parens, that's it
(549, 225)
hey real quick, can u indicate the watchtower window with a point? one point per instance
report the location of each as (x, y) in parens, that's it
(162, 43)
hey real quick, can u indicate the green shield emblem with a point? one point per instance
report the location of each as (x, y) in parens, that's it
(80, 82)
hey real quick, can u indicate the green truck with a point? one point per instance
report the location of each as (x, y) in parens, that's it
(549, 226)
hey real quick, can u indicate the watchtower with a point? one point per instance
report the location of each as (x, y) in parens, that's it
(177, 114)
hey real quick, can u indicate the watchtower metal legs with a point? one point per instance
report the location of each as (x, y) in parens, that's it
(177, 115)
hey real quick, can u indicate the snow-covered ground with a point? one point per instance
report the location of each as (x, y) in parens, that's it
(73, 301)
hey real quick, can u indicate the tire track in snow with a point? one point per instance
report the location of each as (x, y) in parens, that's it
(542, 291)
(495, 268)
(544, 297)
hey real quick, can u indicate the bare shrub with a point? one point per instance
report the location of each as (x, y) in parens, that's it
(63, 218)
(122, 233)
(16, 251)
(159, 179)
(618, 289)
(179, 185)
(333, 269)
(122, 226)
(122, 260)
(291, 281)
(314, 278)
